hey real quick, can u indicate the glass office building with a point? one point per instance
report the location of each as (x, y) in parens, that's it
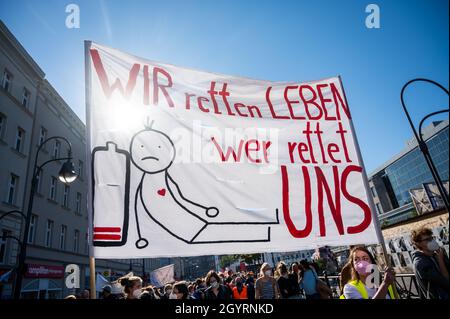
(411, 170)
(390, 184)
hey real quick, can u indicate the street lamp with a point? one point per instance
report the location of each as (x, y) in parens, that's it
(423, 147)
(67, 172)
(12, 212)
(67, 175)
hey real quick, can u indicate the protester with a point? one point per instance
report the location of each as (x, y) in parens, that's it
(148, 293)
(106, 293)
(240, 290)
(132, 286)
(356, 287)
(215, 290)
(294, 272)
(158, 293)
(167, 291)
(308, 280)
(250, 284)
(431, 265)
(200, 287)
(294, 275)
(180, 290)
(191, 289)
(266, 286)
(228, 283)
(345, 276)
(288, 286)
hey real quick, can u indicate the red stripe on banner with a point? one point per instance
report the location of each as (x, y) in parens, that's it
(107, 229)
(107, 236)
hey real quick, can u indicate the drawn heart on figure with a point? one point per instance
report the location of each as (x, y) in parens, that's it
(162, 192)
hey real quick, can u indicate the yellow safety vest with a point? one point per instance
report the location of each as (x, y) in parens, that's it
(363, 292)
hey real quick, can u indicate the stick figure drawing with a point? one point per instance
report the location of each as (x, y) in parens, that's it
(152, 152)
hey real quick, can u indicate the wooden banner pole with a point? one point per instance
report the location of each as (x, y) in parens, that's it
(369, 197)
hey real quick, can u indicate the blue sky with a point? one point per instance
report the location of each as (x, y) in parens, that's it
(270, 40)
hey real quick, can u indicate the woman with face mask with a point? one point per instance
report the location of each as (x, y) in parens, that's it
(431, 265)
(215, 289)
(266, 286)
(132, 286)
(359, 285)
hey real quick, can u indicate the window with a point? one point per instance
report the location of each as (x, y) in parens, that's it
(62, 238)
(372, 189)
(26, 97)
(66, 196)
(19, 139)
(42, 135)
(52, 194)
(379, 209)
(13, 182)
(78, 203)
(80, 169)
(2, 125)
(7, 79)
(76, 240)
(57, 149)
(49, 234)
(3, 246)
(32, 229)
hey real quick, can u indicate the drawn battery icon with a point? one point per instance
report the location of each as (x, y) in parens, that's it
(110, 207)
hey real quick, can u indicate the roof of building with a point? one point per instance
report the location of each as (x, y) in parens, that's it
(47, 87)
(24, 54)
(428, 132)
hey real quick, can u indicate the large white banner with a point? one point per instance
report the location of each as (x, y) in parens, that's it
(188, 163)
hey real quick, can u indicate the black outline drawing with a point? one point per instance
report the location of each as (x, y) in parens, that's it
(210, 212)
(142, 242)
(105, 243)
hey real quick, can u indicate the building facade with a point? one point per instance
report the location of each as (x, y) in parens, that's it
(30, 112)
(20, 80)
(392, 182)
(288, 257)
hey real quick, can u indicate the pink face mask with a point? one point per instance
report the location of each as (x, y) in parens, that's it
(362, 267)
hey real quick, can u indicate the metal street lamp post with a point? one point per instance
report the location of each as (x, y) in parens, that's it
(422, 144)
(66, 175)
(13, 212)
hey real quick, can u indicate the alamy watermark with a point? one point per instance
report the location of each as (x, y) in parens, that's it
(373, 19)
(73, 19)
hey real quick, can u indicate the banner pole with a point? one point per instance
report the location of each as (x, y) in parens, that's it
(87, 68)
(369, 196)
(92, 276)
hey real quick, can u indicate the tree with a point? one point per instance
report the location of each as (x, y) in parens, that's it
(227, 260)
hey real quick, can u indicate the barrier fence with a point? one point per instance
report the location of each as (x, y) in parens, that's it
(407, 286)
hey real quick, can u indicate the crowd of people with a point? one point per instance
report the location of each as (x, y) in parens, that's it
(270, 283)
(301, 280)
